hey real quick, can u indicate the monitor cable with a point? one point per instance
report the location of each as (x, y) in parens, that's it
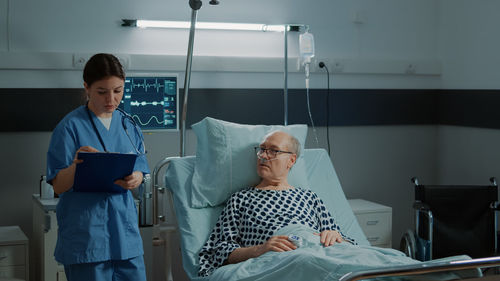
(323, 65)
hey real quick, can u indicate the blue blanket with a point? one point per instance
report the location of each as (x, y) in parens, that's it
(312, 261)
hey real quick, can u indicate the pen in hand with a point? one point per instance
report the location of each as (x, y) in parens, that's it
(83, 149)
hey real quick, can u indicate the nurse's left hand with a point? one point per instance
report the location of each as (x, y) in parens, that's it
(131, 181)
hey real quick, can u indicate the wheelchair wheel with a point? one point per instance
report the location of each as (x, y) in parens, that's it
(408, 244)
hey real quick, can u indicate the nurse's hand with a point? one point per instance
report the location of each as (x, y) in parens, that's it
(83, 149)
(131, 181)
(65, 178)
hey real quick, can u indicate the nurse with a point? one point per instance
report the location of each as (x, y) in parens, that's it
(98, 235)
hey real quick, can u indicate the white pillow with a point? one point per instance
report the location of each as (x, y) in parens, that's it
(226, 160)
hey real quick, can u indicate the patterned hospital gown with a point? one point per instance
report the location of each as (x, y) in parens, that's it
(252, 215)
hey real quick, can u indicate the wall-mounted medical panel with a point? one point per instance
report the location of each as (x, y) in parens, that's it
(381, 66)
(145, 62)
(4, 32)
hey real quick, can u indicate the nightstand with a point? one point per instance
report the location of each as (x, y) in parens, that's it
(14, 249)
(375, 221)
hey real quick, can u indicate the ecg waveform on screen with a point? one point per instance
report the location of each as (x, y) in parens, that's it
(144, 103)
(138, 119)
(147, 85)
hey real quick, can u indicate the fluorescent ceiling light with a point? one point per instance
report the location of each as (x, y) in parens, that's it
(162, 24)
(207, 25)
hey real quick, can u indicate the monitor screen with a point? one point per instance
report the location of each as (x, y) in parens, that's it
(152, 100)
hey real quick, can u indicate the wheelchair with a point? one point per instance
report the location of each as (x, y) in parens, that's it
(453, 220)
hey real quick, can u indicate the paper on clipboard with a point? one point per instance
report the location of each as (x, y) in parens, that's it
(99, 171)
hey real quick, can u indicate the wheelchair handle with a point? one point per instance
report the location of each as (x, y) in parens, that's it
(493, 181)
(414, 180)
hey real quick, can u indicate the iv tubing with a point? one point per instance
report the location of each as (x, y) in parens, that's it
(309, 104)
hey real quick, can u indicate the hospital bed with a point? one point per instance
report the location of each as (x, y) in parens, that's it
(197, 211)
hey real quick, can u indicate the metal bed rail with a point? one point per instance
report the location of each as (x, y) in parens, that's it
(423, 269)
(163, 227)
(157, 216)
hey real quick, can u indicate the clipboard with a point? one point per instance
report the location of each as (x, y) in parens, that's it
(99, 171)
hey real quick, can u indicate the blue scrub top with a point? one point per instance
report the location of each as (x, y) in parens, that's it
(94, 226)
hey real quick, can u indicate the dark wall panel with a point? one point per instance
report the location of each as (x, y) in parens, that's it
(41, 109)
(346, 107)
(473, 108)
(36, 109)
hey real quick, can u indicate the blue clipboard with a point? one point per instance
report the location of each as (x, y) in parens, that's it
(99, 171)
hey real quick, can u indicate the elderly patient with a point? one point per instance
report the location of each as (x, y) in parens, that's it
(245, 228)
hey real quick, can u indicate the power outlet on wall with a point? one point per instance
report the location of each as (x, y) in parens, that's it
(337, 66)
(80, 59)
(124, 60)
(411, 68)
(334, 65)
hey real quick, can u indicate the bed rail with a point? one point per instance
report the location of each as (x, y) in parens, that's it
(157, 217)
(423, 269)
(163, 227)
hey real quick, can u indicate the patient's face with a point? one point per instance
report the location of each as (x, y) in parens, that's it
(275, 169)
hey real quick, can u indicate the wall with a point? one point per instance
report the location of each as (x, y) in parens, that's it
(468, 44)
(468, 155)
(373, 162)
(377, 162)
(468, 48)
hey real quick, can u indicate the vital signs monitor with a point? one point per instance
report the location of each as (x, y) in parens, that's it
(152, 100)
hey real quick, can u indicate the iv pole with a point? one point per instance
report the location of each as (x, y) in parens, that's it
(195, 6)
(285, 87)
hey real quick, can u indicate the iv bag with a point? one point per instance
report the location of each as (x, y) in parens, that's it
(306, 46)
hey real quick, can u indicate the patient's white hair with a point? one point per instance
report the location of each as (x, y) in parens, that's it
(293, 142)
(294, 145)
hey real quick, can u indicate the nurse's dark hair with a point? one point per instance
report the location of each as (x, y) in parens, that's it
(100, 66)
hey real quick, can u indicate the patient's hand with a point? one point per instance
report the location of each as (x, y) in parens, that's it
(330, 237)
(279, 243)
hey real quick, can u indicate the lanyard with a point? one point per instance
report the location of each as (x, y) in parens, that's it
(95, 128)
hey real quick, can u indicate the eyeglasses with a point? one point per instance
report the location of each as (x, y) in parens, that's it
(271, 153)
